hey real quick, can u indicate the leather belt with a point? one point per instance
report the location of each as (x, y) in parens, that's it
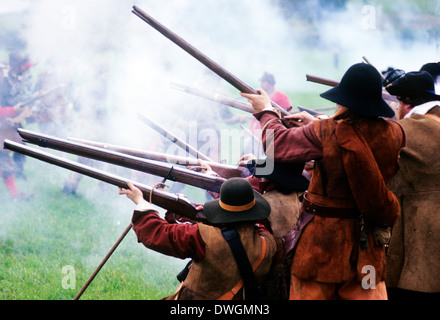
(329, 212)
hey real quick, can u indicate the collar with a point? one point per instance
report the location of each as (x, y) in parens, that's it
(422, 108)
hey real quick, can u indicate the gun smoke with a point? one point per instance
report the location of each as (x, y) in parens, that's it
(114, 66)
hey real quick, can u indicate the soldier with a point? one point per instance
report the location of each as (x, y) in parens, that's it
(433, 68)
(12, 113)
(267, 82)
(413, 263)
(356, 152)
(213, 273)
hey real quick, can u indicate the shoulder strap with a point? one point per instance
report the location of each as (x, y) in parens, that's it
(244, 266)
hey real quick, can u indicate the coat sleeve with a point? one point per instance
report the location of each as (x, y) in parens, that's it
(177, 240)
(296, 144)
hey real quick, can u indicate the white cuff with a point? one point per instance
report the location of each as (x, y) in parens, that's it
(143, 206)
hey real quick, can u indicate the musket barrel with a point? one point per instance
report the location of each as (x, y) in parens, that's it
(320, 80)
(224, 170)
(334, 83)
(215, 97)
(213, 66)
(163, 199)
(166, 171)
(158, 128)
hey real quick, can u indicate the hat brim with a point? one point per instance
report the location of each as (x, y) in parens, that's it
(217, 215)
(411, 93)
(378, 108)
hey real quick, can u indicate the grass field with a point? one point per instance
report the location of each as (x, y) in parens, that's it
(52, 243)
(41, 236)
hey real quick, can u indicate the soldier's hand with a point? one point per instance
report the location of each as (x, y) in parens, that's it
(246, 158)
(260, 101)
(133, 193)
(303, 116)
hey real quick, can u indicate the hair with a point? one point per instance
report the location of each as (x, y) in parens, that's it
(414, 101)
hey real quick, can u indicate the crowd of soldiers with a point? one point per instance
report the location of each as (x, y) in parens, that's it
(364, 226)
(23, 101)
(349, 211)
(15, 89)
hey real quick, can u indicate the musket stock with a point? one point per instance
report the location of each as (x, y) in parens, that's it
(225, 171)
(213, 66)
(172, 202)
(167, 171)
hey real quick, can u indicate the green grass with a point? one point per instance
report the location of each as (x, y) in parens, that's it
(40, 236)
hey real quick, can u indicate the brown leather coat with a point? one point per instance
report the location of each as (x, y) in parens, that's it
(328, 249)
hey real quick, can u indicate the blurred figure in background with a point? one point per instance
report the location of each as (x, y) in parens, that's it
(14, 89)
(267, 83)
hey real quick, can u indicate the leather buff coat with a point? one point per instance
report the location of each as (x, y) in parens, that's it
(413, 261)
(328, 249)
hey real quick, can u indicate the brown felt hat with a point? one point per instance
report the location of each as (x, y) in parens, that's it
(238, 202)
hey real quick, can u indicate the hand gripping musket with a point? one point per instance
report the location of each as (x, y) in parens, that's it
(213, 66)
(224, 170)
(166, 171)
(234, 103)
(161, 130)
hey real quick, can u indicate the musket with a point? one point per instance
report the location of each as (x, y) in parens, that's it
(234, 103)
(311, 111)
(167, 171)
(42, 95)
(327, 82)
(334, 83)
(315, 111)
(172, 202)
(224, 170)
(367, 61)
(161, 130)
(213, 66)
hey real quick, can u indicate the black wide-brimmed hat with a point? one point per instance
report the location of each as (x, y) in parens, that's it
(238, 202)
(360, 90)
(415, 84)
